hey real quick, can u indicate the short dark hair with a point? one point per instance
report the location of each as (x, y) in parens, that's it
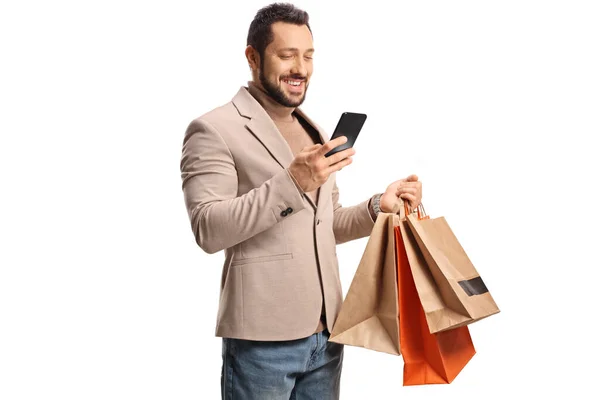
(260, 33)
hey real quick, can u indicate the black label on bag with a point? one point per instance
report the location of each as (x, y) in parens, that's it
(473, 286)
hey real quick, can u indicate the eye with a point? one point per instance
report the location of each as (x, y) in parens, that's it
(308, 57)
(285, 57)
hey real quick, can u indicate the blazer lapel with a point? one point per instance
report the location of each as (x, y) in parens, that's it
(265, 131)
(327, 187)
(263, 128)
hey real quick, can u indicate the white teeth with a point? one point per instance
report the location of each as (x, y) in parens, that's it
(293, 83)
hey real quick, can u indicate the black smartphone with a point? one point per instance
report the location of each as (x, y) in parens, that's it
(349, 125)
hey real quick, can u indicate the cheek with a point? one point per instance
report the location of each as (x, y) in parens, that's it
(309, 70)
(275, 70)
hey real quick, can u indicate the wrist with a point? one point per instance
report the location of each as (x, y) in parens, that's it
(375, 205)
(295, 181)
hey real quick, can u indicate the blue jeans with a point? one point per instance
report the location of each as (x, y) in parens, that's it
(303, 369)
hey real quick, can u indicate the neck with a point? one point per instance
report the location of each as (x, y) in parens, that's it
(276, 111)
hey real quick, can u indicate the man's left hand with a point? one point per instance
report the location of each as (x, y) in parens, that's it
(408, 189)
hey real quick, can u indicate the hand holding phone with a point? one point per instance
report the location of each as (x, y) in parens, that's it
(349, 125)
(308, 169)
(309, 172)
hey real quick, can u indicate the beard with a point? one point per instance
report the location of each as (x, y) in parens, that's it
(278, 94)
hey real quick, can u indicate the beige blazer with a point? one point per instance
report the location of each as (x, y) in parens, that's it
(278, 243)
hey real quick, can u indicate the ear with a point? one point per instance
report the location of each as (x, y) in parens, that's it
(253, 58)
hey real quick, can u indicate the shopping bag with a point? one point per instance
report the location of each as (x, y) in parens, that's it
(429, 358)
(438, 315)
(369, 314)
(460, 297)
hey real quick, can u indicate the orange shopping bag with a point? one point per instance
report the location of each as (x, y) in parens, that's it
(428, 358)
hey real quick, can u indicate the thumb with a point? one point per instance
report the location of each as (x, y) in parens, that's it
(412, 178)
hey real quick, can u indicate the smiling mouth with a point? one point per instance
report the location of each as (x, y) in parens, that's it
(293, 83)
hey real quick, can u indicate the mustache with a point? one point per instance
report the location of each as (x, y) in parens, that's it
(297, 77)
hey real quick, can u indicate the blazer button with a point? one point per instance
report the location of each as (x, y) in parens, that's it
(284, 213)
(289, 210)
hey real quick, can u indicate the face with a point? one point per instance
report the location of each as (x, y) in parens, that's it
(285, 70)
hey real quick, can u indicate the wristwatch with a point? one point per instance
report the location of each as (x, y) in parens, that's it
(376, 207)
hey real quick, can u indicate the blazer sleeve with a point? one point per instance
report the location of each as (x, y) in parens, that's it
(219, 218)
(350, 223)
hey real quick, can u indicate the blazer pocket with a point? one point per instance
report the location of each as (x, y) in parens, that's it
(271, 242)
(262, 259)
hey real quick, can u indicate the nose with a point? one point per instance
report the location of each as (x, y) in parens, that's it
(299, 67)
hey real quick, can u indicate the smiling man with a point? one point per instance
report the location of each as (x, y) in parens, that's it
(257, 185)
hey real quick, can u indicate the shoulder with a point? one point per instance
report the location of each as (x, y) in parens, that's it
(218, 119)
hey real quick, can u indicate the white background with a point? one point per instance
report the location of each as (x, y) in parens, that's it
(104, 293)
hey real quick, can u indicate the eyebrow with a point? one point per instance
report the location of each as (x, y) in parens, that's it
(295, 49)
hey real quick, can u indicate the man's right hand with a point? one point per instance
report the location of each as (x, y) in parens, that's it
(311, 168)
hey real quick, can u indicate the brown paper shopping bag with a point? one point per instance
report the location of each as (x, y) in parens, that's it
(382, 309)
(438, 315)
(429, 358)
(450, 289)
(369, 314)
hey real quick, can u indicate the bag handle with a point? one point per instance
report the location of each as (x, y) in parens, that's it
(421, 213)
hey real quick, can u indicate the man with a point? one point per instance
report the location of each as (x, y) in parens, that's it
(257, 185)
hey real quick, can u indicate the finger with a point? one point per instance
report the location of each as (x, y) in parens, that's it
(337, 157)
(332, 144)
(412, 178)
(407, 185)
(338, 166)
(338, 140)
(309, 149)
(408, 190)
(412, 200)
(415, 185)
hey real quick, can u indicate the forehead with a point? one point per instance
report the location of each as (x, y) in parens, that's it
(287, 35)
